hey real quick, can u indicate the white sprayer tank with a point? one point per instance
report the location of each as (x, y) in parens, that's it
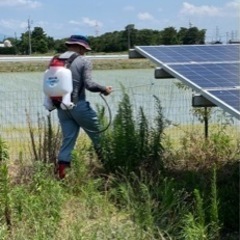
(57, 82)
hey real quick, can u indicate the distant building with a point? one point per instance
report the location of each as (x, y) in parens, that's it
(6, 43)
(233, 42)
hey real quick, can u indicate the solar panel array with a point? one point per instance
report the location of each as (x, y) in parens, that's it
(211, 70)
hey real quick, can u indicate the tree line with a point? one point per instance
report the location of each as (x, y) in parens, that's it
(37, 41)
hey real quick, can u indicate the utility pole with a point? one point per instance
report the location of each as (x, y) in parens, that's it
(29, 37)
(190, 24)
(227, 37)
(96, 29)
(129, 39)
(217, 34)
(129, 28)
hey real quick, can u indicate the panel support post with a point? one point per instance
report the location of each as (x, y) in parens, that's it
(206, 122)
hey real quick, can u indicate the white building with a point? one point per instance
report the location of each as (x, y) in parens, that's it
(6, 43)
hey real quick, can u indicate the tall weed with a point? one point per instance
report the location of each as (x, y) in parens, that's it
(203, 222)
(131, 143)
(45, 140)
(5, 190)
(154, 203)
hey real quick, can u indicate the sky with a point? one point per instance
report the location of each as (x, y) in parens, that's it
(60, 19)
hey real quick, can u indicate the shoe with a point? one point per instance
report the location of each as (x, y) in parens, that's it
(61, 170)
(99, 154)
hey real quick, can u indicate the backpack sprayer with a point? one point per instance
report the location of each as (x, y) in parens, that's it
(58, 87)
(57, 84)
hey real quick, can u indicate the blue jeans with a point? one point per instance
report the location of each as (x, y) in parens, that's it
(81, 116)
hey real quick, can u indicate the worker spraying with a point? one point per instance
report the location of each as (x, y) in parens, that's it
(68, 77)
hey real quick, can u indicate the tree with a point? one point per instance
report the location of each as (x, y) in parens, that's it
(201, 36)
(23, 46)
(144, 37)
(194, 36)
(59, 45)
(50, 43)
(42, 46)
(169, 36)
(116, 41)
(39, 40)
(181, 34)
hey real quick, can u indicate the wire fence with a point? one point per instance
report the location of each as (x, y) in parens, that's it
(21, 97)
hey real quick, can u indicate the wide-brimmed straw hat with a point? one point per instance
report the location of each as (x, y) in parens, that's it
(79, 40)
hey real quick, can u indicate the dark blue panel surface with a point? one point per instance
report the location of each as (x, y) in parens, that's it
(210, 75)
(213, 70)
(230, 97)
(192, 53)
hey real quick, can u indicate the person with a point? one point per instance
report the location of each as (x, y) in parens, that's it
(82, 114)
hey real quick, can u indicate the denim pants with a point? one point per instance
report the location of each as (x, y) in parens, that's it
(81, 116)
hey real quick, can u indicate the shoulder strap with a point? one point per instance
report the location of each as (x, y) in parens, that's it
(71, 59)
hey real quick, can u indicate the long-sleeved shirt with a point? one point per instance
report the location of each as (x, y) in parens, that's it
(81, 69)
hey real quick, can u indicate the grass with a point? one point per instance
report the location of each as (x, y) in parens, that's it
(147, 190)
(97, 65)
(179, 132)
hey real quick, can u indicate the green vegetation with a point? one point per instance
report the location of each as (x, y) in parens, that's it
(117, 41)
(147, 189)
(97, 65)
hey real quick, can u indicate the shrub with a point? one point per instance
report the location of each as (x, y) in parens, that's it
(131, 143)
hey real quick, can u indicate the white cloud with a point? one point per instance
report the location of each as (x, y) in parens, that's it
(233, 4)
(230, 9)
(145, 16)
(21, 3)
(91, 22)
(13, 24)
(87, 21)
(190, 9)
(75, 22)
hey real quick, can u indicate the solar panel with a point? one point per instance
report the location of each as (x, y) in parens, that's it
(210, 75)
(212, 70)
(230, 97)
(191, 53)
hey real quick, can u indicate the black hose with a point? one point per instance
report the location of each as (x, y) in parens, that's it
(88, 130)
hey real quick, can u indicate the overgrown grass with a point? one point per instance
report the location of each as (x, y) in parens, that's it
(97, 65)
(146, 189)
